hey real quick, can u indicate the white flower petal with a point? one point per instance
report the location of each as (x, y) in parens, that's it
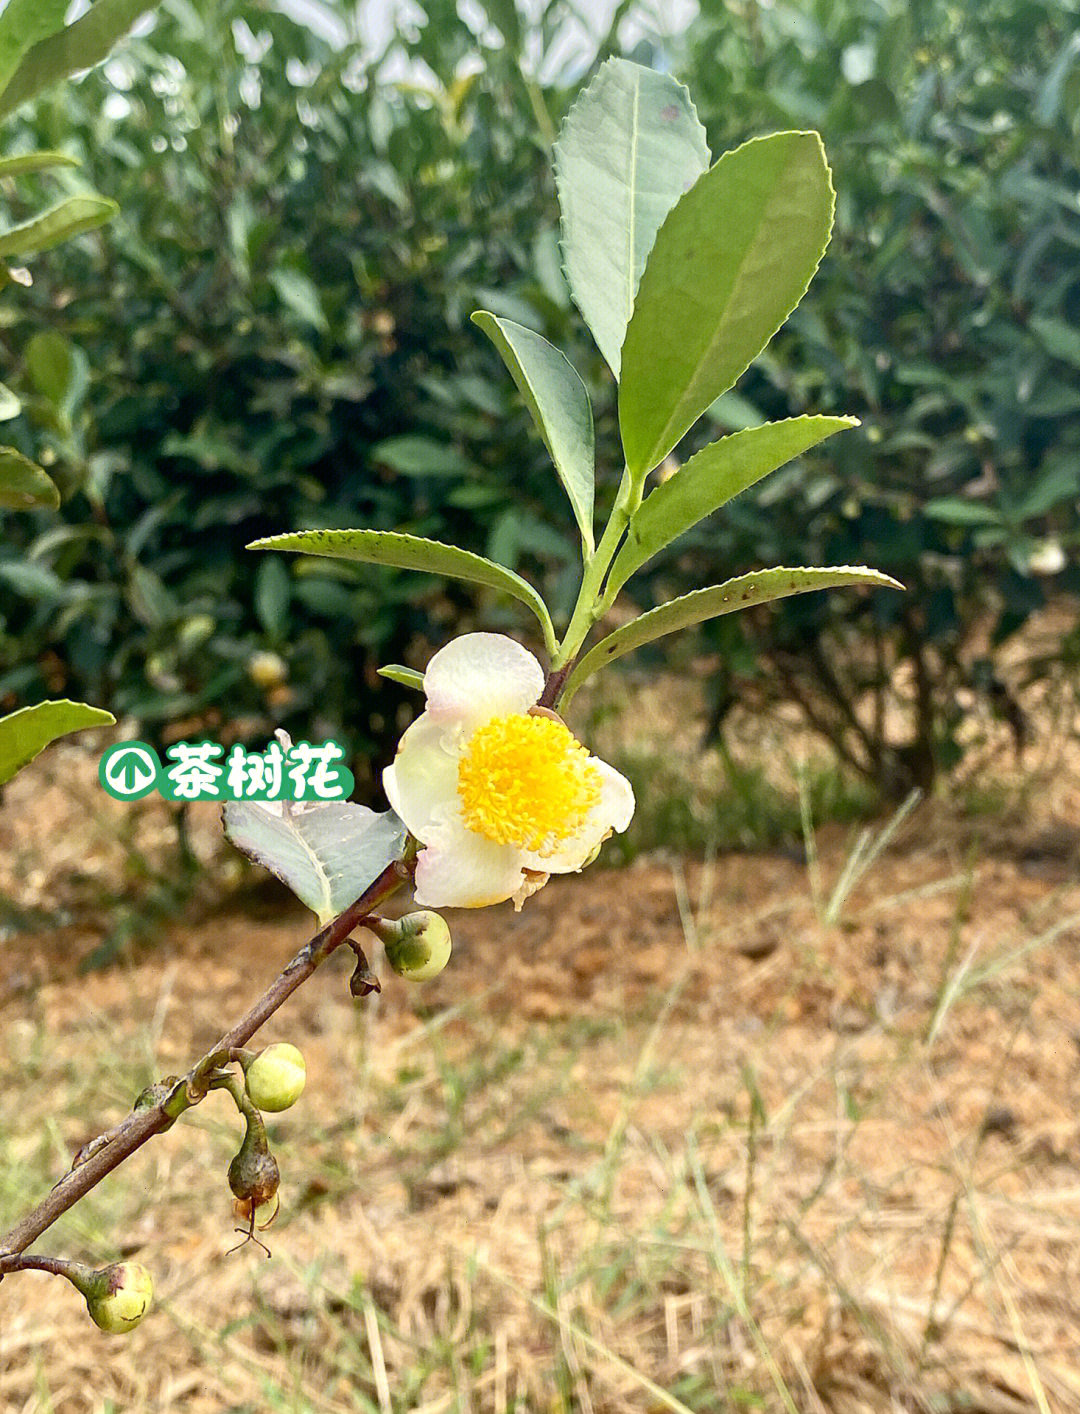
(531, 883)
(421, 784)
(460, 869)
(613, 811)
(479, 676)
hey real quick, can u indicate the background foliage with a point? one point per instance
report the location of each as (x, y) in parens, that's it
(275, 333)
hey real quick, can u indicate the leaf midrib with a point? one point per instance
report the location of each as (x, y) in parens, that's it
(320, 870)
(630, 223)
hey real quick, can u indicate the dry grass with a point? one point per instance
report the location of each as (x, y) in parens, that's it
(674, 1138)
(761, 1132)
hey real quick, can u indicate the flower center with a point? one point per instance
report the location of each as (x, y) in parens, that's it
(526, 781)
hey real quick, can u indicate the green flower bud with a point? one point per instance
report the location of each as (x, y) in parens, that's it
(275, 1078)
(117, 1297)
(417, 946)
(267, 670)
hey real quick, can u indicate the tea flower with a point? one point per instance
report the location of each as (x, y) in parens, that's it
(499, 793)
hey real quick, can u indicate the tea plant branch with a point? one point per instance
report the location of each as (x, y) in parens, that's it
(172, 1097)
(554, 684)
(590, 601)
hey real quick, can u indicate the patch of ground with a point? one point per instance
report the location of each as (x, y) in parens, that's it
(695, 1136)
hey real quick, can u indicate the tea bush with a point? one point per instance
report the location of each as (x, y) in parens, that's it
(945, 316)
(278, 330)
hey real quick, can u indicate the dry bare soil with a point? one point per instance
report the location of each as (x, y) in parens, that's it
(676, 1137)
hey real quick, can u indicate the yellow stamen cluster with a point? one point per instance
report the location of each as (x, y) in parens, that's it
(526, 781)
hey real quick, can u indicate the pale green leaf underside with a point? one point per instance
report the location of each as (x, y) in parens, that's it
(630, 147)
(729, 265)
(68, 51)
(34, 162)
(25, 733)
(760, 587)
(407, 677)
(9, 407)
(70, 217)
(326, 853)
(559, 405)
(710, 479)
(24, 486)
(412, 552)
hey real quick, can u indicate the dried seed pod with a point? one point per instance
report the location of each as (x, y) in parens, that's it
(253, 1173)
(260, 1217)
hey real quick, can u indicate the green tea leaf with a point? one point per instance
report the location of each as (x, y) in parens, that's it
(23, 484)
(67, 51)
(35, 162)
(1049, 95)
(22, 24)
(419, 456)
(273, 591)
(711, 478)
(761, 587)
(1058, 338)
(630, 147)
(955, 510)
(58, 369)
(412, 552)
(9, 404)
(25, 733)
(559, 404)
(68, 218)
(300, 294)
(326, 853)
(729, 265)
(407, 677)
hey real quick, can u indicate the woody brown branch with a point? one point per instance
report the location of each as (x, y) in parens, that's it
(553, 686)
(142, 1124)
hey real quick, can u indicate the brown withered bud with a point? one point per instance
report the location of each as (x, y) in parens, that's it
(363, 981)
(253, 1173)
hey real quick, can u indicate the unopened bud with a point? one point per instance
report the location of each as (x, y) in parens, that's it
(267, 670)
(117, 1297)
(417, 946)
(275, 1078)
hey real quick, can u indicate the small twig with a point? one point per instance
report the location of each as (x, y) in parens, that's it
(55, 1266)
(118, 1144)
